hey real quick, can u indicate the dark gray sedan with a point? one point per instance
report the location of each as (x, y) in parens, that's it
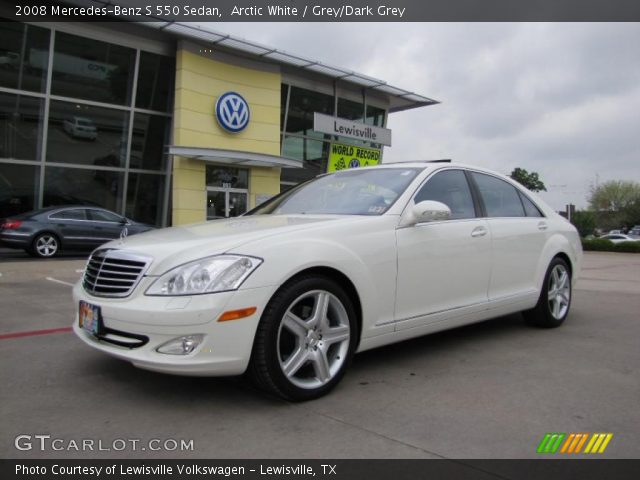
(43, 233)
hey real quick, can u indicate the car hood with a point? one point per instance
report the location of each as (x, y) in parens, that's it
(174, 246)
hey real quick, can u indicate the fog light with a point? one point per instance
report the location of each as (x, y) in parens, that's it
(181, 345)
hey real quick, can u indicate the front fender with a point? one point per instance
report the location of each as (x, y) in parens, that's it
(369, 264)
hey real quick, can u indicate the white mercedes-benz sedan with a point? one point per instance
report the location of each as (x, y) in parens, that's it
(346, 262)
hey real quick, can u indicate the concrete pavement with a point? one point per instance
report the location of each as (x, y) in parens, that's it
(490, 390)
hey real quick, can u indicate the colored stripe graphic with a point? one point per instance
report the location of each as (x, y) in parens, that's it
(598, 443)
(573, 443)
(551, 442)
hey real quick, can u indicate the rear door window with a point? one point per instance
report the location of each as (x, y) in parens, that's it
(529, 207)
(72, 214)
(500, 198)
(104, 216)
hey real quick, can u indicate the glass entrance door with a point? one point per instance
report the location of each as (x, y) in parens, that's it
(225, 202)
(227, 191)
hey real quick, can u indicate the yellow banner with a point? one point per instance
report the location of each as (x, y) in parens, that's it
(344, 156)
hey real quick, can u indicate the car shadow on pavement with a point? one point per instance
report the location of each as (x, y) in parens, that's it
(161, 388)
(435, 344)
(198, 392)
(9, 255)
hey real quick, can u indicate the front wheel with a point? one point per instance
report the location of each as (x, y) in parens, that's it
(555, 298)
(305, 339)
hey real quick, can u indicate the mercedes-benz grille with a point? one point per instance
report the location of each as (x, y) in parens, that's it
(114, 273)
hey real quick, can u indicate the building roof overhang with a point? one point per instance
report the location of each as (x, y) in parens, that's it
(399, 98)
(234, 157)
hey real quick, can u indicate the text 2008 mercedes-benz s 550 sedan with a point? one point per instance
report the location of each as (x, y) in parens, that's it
(343, 263)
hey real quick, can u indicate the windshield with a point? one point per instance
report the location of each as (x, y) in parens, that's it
(349, 192)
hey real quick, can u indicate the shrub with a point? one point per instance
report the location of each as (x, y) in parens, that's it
(584, 221)
(604, 245)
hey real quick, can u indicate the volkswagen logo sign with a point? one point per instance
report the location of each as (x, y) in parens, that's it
(232, 112)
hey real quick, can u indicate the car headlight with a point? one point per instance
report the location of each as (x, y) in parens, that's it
(219, 273)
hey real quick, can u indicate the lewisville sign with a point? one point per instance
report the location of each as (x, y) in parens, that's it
(348, 128)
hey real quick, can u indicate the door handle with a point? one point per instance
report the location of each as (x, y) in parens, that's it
(479, 232)
(542, 226)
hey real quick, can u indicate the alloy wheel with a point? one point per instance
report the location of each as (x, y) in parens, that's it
(46, 245)
(313, 339)
(559, 293)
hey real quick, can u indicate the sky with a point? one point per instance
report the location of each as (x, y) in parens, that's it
(561, 99)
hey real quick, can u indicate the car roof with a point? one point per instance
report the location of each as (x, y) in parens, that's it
(413, 164)
(433, 165)
(56, 208)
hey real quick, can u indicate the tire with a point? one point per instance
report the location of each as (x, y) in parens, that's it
(555, 298)
(299, 352)
(45, 245)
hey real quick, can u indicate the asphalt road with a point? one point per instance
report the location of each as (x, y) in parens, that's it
(490, 390)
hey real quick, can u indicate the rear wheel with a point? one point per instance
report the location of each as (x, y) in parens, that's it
(305, 340)
(555, 298)
(45, 245)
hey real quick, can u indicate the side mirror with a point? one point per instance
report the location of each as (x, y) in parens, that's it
(427, 211)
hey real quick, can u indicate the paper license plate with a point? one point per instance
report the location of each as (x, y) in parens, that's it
(89, 317)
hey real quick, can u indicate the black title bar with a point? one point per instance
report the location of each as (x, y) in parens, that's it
(534, 469)
(323, 10)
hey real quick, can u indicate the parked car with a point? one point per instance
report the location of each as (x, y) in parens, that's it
(346, 262)
(43, 233)
(618, 238)
(80, 127)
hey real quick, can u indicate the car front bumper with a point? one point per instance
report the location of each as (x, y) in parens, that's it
(225, 349)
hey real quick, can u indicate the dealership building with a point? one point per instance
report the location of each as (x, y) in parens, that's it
(169, 123)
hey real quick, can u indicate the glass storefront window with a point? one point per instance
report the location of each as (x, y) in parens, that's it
(18, 188)
(375, 116)
(350, 110)
(149, 137)
(302, 105)
(83, 71)
(87, 135)
(92, 70)
(225, 177)
(314, 154)
(24, 56)
(63, 186)
(155, 82)
(20, 126)
(145, 192)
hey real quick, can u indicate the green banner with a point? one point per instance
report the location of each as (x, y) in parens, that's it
(344, 156)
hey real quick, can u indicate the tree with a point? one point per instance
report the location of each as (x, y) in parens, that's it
(614, 195)
(528, 180)
(617, 203)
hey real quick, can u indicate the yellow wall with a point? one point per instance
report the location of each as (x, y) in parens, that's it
(199, 82)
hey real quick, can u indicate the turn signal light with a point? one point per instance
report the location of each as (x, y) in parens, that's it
(237, 314)
(11, 224)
